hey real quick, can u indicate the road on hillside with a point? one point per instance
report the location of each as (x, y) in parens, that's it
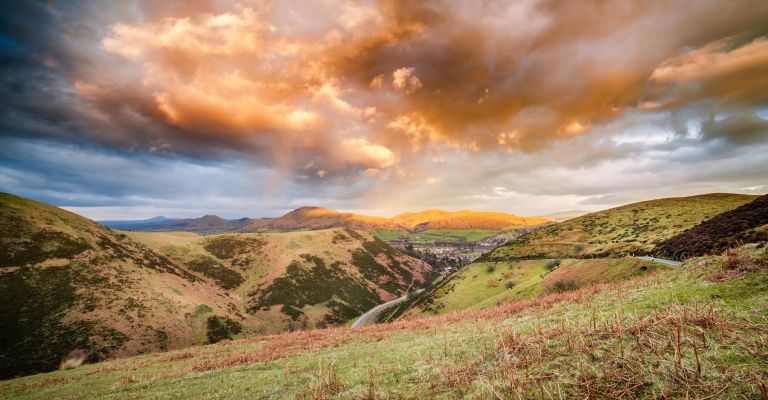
(661, 260)
(372, 314)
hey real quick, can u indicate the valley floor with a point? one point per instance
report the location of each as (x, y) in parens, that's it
(695, 331)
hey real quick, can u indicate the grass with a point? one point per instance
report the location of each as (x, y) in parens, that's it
(451, 235)
(430, 236)
(696, 331)
(629, 229)
(388, 234)
(68, 283)
(485, 284)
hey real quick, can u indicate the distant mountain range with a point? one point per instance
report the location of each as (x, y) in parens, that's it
(314, 218)
(206, 224)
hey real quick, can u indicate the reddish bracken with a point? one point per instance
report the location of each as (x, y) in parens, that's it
(286, 344)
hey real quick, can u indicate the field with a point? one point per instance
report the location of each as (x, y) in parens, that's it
(453, 236)
(695, 331)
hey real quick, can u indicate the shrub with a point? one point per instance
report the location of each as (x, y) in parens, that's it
(552, 264)
(490, 268)
(220, 328)
(74, 359)
(510, 284)
(564, 286)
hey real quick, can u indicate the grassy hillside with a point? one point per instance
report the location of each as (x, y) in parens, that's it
(69, 284)
(745, 224)
(484, 285)
(464, 220)
(295, 280)
(634, 228)
(691, 332)
(321, 218)
(308, 218)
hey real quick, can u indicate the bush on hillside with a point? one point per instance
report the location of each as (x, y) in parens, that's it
(221, 328)
(74, 359)
(490, 268)
(564, 286)
(552, 264)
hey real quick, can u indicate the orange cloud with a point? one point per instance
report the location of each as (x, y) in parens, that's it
(366, 85)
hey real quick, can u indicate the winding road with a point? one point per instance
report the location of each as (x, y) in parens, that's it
(372, 314)
(661, 260)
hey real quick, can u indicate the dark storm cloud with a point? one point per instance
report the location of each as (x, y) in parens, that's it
(382, 92)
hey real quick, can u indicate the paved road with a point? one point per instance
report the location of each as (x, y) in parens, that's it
(372, 314)
(661, 260)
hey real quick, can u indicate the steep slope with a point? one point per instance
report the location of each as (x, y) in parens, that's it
(206, 224)
(633, 228)
(688, 332)
(484, 285)
(745, 224)
(322, 218)
(68, 283)
(462, 220)
(296, 279)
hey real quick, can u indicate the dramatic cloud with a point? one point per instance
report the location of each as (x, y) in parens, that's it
(451, 100)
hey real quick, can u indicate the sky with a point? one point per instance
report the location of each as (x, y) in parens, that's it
(136, 108)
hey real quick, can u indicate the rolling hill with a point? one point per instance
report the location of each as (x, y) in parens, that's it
(207, 224)
(745, 224)
(295, 280)
(463, 220)
(316, 218)
(483, 285)
(630, 229)
(69, 284)
(312, 218)
(688, 332)
(586, 250)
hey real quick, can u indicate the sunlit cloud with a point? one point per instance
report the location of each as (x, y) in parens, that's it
(413, 102)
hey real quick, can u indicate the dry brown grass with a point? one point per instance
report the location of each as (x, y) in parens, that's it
(627, 357)
(74, 359)
(287, 344)
(738, 261)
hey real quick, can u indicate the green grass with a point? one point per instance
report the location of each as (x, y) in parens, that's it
(436, 235)
(451, 235)
(485, 284)
(629, 229)
(609, 341)
(388, 234)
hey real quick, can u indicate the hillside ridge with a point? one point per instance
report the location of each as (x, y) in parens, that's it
(70, 284)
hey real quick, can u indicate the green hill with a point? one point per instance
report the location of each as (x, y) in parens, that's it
(69, 284)
(295, 280)
(630, 229)
(484, 285)
(696, 331)
(747, 223)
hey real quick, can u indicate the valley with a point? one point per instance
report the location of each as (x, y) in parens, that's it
(384, 200)
(69, 283)
(678, 332)
(281, 302)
